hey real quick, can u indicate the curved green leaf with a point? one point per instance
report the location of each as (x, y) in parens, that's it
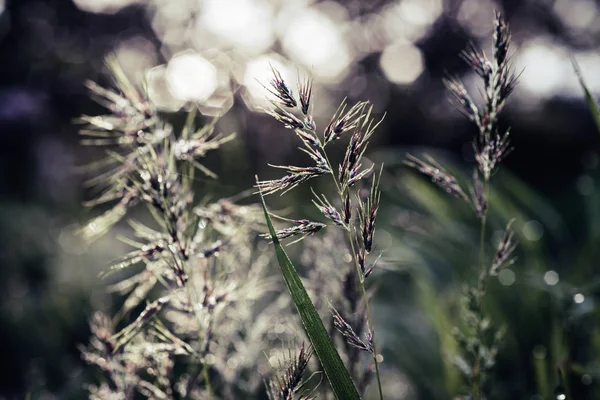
(337, 374)
(588, 96)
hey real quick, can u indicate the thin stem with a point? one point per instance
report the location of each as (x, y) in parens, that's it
(337, 185)
(360, 277)
(193, 292)
(476, 379)
(361, 281)
(206, 380)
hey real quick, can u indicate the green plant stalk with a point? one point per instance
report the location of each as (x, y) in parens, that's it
(360, 278)
(333, 366)
(207, 380)
(541, 377)
(476, 379)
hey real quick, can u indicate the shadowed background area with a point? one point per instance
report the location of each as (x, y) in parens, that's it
(214, 54)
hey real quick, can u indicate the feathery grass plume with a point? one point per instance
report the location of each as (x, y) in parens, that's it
(341, 123)
(438, 175)
(296, 175)
(143, 366)
(197, 266)
(299, 227)
(478, 198)
(350, 169)
(349, 172)
(328, 210)
(280, 89)
(132, 132)
(351, 337)
(504, 250)
(491, 145)
(288, 382)
(368, 213)
(305, 94)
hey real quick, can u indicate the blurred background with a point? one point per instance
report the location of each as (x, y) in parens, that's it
(215, 53)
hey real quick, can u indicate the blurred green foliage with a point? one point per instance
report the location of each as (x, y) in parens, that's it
(546, 300)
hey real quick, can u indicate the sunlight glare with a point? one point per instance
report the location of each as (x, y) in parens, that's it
(401, 63)
(313, 39)
(246, 24)
(191, 77)
(543, 66)
(102, 6)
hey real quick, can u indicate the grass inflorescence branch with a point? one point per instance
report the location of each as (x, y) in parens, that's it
(491, 145)
(358, 123)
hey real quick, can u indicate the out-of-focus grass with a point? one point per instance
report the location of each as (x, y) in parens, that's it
(546, 300)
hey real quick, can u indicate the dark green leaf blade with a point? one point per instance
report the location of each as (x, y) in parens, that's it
(592, 105)
(337, 374)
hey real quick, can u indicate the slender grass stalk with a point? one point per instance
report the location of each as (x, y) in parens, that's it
(476, 379)
(297, 115)
(360, 277)
(206, 380)
(491, 145)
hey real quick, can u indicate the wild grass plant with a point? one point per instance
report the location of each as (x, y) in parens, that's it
(479, 340)
(202, 307)
(205, 313)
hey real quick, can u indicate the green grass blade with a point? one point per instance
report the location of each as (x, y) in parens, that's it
(337, 374)
(592, 105)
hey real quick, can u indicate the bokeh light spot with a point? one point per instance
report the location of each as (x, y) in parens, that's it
(506, 277)
(545, 68)
(313, 39)
(401, 63)
(191, 77)
(247, 24)
(533, 230)
(158, 90)
(577, 14)
(103, 6)
(551, 278)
